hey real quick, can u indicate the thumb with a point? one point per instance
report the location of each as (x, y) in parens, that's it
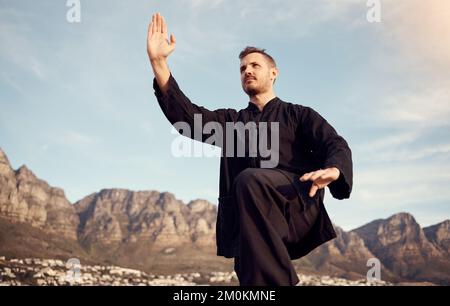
(173, 41)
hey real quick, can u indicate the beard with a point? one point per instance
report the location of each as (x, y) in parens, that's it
(252, 90)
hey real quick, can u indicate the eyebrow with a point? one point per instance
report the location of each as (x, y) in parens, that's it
(249, 64)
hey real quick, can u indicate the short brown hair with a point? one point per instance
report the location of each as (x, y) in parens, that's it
(249, 50)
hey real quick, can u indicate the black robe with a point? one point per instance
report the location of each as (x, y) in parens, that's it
(307, 142)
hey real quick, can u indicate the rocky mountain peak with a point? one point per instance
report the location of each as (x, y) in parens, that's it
(439, 234)
(347, 247)
(198, 206)
(25, 198)
(149, 227)
(169, 203)
(400, 243)
(3, 157)
(24, 174)
(118, 215)
(402, 218)
(5, 166)
(401, 227)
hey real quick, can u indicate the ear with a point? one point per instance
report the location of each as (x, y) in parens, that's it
(274, 73)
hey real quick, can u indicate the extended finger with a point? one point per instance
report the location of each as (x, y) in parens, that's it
(306, 176)
(313, 190)
(158, 23)
(151, 27)
(164, 25)
(317, 175)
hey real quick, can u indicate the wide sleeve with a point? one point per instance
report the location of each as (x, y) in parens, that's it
(331, 148)
(179, 109)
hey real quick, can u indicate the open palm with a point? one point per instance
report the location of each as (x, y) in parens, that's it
(158, 46)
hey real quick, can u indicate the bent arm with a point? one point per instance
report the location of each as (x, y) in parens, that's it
(332, 148)
(177, 107)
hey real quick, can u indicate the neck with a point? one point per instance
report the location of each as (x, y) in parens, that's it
(261, 99)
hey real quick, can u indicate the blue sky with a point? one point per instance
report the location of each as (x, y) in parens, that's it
(77, 103)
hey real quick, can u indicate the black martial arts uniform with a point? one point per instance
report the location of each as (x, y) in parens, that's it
(265, 215)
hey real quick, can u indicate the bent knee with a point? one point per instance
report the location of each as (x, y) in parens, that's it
(248, 177)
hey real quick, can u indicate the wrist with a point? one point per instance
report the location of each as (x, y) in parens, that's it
(158, 61)
(159, 66)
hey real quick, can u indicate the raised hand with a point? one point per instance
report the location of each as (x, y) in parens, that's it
(158, 45)
(320, 178)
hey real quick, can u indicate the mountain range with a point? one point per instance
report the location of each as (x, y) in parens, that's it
(155, 232)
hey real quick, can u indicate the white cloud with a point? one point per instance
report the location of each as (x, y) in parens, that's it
(400, 183)
(306, 12)
(381, 191)
(420, 28)
(389, 141)
(413, 64)
(408, 174)
(409, 154)
(401, 147)
(406, 167)
(430, 107)
(226, 25)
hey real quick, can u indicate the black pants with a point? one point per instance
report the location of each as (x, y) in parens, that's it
(272, 218)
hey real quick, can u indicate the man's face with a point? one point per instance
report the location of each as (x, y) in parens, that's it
(257, 74)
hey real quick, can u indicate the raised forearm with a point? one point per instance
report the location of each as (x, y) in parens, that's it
(158, 49)
(162, 73)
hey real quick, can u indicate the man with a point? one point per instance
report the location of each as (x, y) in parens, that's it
(267, 216)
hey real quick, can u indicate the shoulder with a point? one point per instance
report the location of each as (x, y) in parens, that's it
(295, 109)
(302, 114)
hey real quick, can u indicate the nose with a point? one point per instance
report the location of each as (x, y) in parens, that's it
(247, 70)
(248, 73)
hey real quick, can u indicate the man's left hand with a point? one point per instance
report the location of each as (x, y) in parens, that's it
(320, 178)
